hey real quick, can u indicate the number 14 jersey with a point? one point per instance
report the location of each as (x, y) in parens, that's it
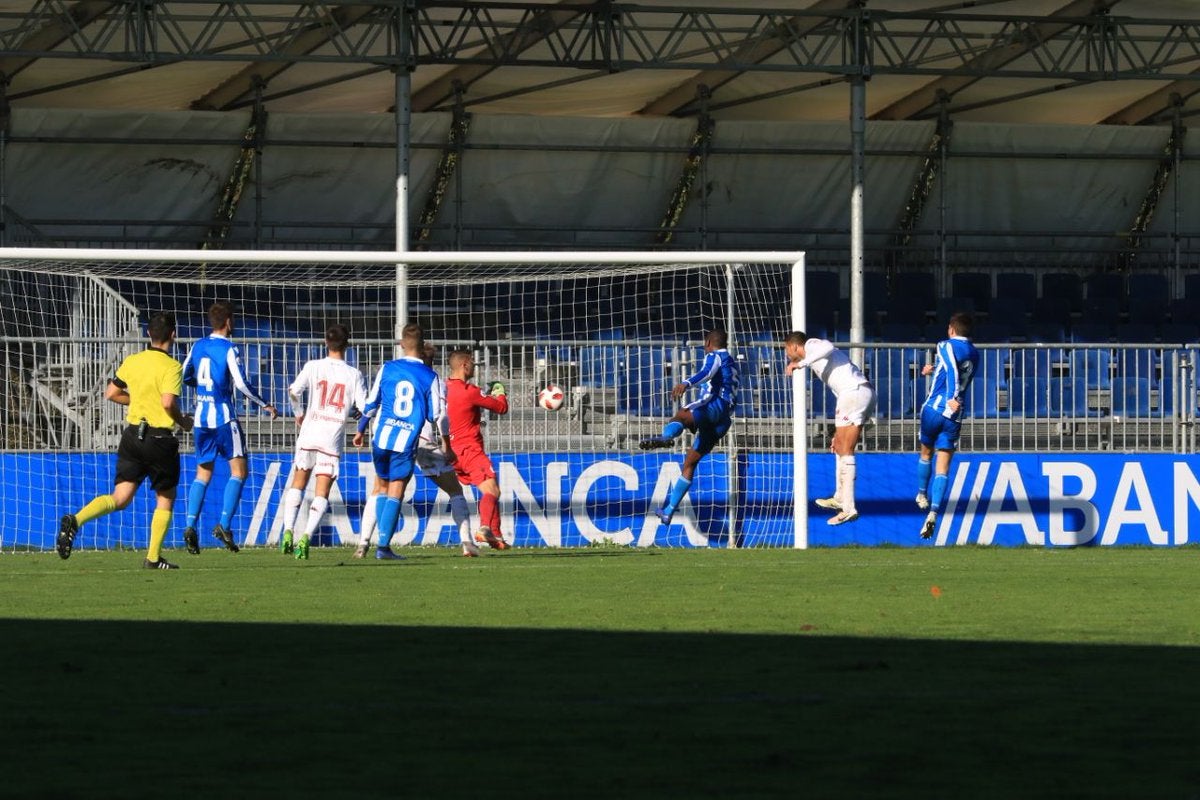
(326, 391)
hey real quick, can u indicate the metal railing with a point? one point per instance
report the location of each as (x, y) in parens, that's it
(1025, 397)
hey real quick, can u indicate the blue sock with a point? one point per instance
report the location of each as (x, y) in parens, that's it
(386, 518)
(924, 470)
(938, 492)
(673, 429)
(233, 493)
(194, 502)
(676, 494)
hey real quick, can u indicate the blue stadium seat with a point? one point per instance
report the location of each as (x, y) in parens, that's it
(1152, 286)
(1102, 309)
(951, 305)
(1046, 332)
(1168, 381)
(1191, 287)
(1037, 362)
(1136, 333)
(992, 332)
(1054, 309)
(822, 286)
(1105, 284)
(643, 385)
(1029, 397)
(1145, 310)
(901, 332)
(906, 310)
(1067, 286)
(893, 373)
(1092, 365)
(1131, 397)
(1068, 397)
(1092, 332)
(1179, 332)
(598, 365)
(1017, 286)
(1137, 362)
(991, 377)
(974, 285)
(875, 293)
(1185, 310)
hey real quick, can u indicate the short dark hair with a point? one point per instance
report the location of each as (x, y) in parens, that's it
(219, 313)
(717, 338)
(962, 322)
(161, 326)
(337, 337)
(796, 337)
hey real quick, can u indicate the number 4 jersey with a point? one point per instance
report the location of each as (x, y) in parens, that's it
(326, 391)
(405, 394)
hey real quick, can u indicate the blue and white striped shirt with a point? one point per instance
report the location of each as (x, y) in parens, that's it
(214, 368)
(721, 377)
(405, 395)
(957, 360)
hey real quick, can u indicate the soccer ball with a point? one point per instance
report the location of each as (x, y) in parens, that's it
(551, 398)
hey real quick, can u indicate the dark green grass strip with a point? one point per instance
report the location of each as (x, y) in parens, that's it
(598, 673)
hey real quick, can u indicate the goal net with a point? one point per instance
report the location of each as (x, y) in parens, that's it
(614, 330)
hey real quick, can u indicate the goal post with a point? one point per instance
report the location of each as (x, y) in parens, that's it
(616, 330)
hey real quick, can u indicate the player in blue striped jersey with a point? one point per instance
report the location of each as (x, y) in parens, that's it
(941, 415)
(214, 368)
(709, 416)
(406, 393)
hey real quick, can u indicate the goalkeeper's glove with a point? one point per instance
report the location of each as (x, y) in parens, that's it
(496, 389)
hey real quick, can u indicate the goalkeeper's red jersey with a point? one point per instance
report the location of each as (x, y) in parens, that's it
(464, 404)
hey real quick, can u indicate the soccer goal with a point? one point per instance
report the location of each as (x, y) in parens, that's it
(614, 331)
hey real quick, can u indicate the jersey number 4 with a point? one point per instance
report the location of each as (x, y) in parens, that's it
(204, 375)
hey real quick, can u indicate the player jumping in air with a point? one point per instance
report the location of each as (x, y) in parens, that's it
(941, 415)
(855, 405)
(709, 416)
(323, 395)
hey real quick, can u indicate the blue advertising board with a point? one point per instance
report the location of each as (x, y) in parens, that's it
(576, 499)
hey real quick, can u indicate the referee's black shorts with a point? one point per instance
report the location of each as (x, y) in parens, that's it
(156, 456)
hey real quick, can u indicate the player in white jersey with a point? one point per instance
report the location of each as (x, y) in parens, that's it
(436, 464)
(855, 405)
(323, 395)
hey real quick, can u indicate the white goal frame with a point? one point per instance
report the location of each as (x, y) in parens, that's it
(403, 260)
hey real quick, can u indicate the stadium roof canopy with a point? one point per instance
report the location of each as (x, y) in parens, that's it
(1041, 61)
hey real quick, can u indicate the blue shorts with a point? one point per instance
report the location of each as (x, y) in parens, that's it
(713, 420)
(937, 431)
(227, 441)
(391, 465)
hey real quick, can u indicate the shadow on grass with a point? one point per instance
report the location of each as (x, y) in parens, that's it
(110, 709)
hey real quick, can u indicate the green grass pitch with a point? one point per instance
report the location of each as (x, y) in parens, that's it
(605, 673)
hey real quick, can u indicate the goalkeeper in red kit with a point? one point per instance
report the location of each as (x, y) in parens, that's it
(464, 404)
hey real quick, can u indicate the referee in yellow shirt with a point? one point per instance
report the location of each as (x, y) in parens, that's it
(149, 383)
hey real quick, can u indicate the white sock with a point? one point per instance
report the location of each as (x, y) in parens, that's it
(462, 517)
(315, 512)
(837, 479)
(291, 507)
(846, 472)
(368, 520)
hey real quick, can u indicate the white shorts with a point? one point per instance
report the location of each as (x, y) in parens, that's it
(432, 461)
(317, 462)
(855, 407)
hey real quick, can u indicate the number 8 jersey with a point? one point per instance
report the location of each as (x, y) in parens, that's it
(325, 392)
(405, 394)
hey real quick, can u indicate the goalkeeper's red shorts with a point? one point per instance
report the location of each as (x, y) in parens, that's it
(474, 467)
